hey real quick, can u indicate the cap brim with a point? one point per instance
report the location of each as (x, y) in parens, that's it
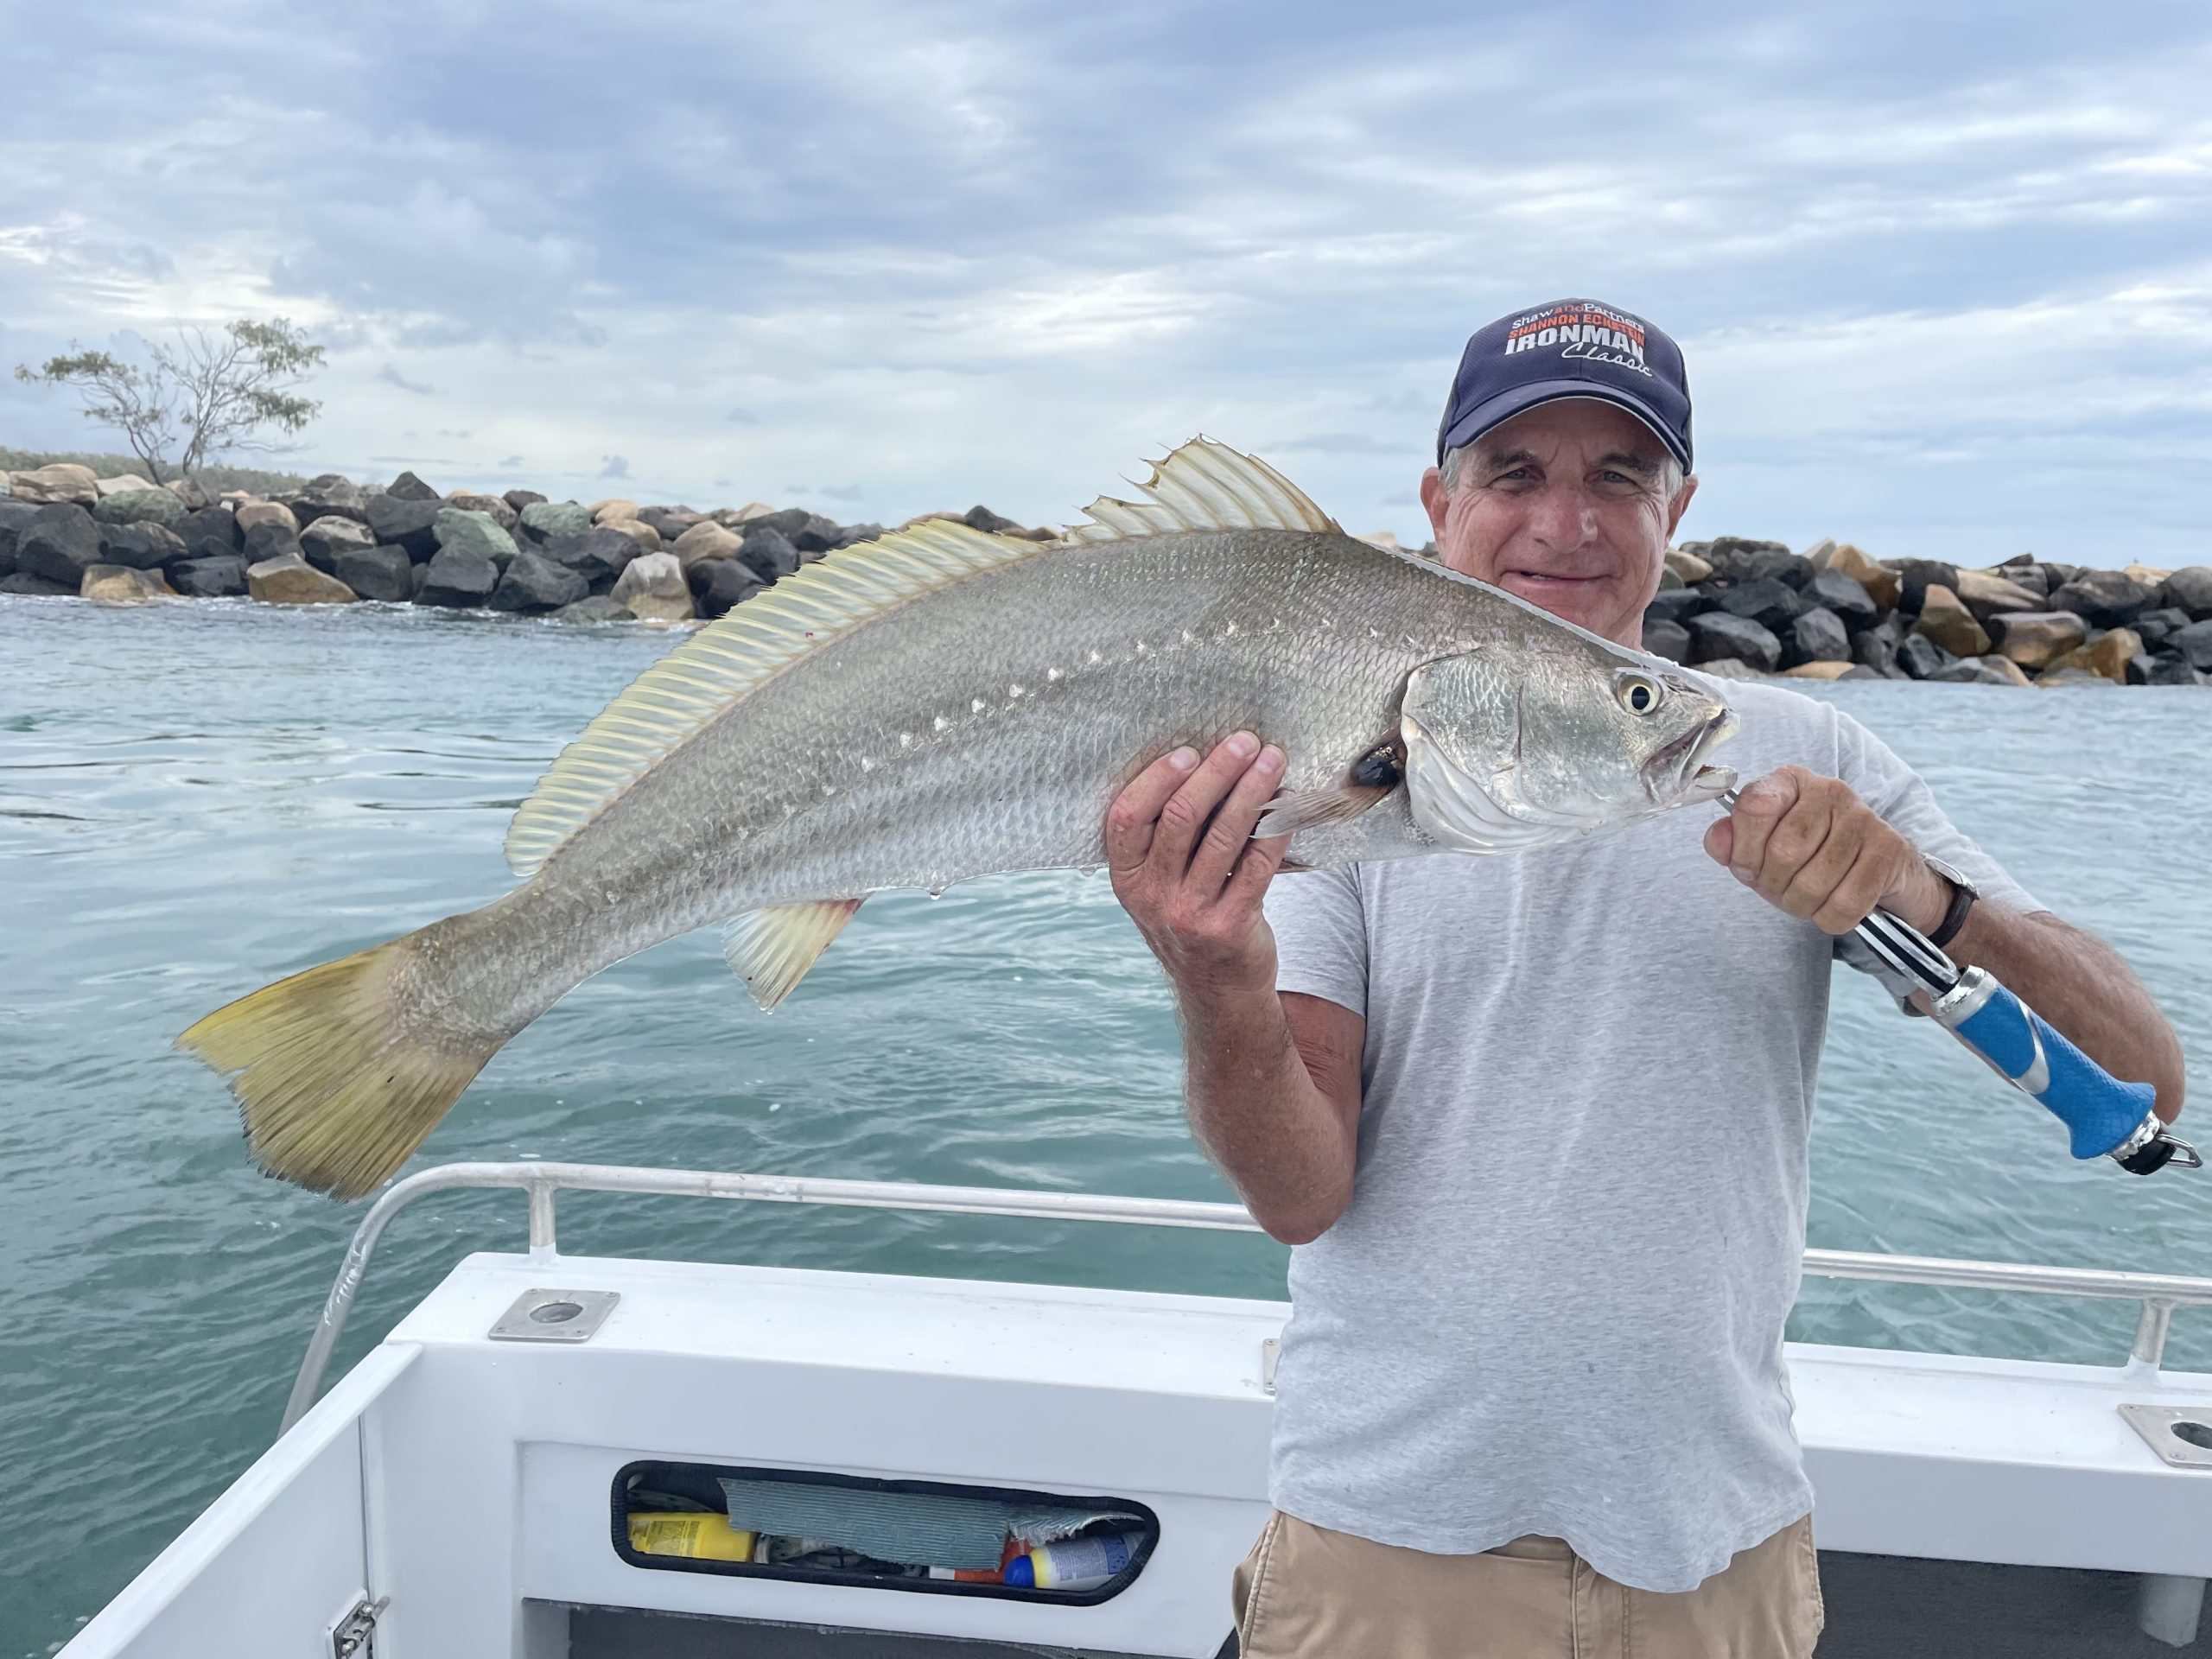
(1504, 407)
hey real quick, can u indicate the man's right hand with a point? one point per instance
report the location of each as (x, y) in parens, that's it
(1179, 843)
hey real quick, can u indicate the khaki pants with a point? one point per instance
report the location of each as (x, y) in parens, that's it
(1306, 1593)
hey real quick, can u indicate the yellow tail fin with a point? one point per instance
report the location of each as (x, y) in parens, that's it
(334, 1088)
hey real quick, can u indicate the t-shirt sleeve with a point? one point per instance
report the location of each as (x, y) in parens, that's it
(1320, 925)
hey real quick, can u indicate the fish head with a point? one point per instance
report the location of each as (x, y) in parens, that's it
(1506, 750)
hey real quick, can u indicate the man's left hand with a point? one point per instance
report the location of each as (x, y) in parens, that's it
(1809, 846)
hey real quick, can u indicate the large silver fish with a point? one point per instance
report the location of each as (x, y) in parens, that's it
(944, 703)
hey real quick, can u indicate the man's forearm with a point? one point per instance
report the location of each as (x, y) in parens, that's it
(1285, 1146)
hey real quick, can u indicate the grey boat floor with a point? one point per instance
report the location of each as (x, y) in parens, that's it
(1879, 1607)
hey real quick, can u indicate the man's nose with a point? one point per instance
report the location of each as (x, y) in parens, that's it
(1562, 519)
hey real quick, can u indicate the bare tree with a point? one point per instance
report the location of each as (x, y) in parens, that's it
(223, 389)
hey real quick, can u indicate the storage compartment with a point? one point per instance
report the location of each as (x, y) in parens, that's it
(926, 1536)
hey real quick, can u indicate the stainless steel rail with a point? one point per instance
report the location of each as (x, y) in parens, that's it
(2158, 1293)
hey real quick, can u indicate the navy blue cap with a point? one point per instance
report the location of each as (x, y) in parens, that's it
(1574, 348)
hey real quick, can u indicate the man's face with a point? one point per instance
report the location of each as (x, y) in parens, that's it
(1564, 506)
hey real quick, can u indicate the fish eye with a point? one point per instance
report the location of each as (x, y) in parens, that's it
(1639, 694)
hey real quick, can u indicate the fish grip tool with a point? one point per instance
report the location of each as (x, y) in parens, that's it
(2102, 1115)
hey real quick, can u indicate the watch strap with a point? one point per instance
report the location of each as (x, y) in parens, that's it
(1962, 897)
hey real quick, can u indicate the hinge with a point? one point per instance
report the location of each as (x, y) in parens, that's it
(355, 1636)
(1270, 1351)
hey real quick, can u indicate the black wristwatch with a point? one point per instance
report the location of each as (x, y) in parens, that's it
(1964, 893)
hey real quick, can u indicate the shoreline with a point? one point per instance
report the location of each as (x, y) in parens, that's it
(1730, 606)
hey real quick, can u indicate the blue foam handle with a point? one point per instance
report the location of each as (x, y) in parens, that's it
(2099, 1109)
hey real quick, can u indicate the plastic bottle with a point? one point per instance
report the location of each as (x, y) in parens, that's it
(1073, 1563)
(699, 1537)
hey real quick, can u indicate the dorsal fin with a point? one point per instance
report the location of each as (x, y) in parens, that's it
(1205, 486)
(687, 689)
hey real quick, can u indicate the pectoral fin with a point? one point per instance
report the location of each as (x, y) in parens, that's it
(1371, 779)
(771, 950)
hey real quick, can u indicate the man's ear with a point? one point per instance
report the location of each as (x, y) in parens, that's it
(1679, 506)
(1436, 499)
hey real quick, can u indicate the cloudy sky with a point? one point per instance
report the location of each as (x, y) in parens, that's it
(1940, 272)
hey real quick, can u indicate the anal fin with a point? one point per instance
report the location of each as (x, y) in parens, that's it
(771, 950)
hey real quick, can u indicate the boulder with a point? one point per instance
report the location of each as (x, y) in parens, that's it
(121, 584)
(329, 496)
(140, 547)
(189, 491)
(2108, 654)
(408, 487)
(706, 540)
(2007, 671)
(248, 514)
(23, 585)
(2173, 669)
(458, 577)
(718, 584)
(1730, 668)
(652, 588)
(2188, 589)
(1876, 648)
(221, 575)
(597, 555)
(978, 517)
(1820, 553)
(502, 514)
(118, 483)
(1971, 671)
(599, 608)
(2035, 640)
(2104, 599)
(271, 540)
(475, 533)
(62, 484)
(1845, 596)
(1818, 636)
(1987, 595)
(406, 521)
(1768, 600)
(140, 507)
(2193, 643)
(533, 582)
(1717, 634)
(2027, 577)
(384, 573)
(670, 522)
(1664, 638)
(1916, 576)
(1827, 670)
(646, 537)
(1921, 657)
(2072, 676)
(750, 511)
(1948, 623)
(1744, 560)
(1675, 604)
(15, 517)
(548, 521)
(291, 579)
(768, 552)
(610, 509)
(791, 522)
(60, 543)
(322, 540)
(210, 532)
(520, 499)
(1688, 567)
(2156, 627)
(854, 534)
(1882, 584)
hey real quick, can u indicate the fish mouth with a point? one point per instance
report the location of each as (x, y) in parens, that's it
(1676, 775)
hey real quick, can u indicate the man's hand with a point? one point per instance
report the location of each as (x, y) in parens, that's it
(1179, 843)
(1809, 845)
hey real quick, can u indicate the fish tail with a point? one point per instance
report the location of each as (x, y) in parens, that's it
(336, 1083)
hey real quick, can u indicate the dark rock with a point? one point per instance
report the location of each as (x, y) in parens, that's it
(322, 540)
(24, 583)
(979, 516)
(767, 551)
(597, 555)
(520, 499)
(466, 531)
(2154, 628)
(1664, 638)
(1743, 560)
(2173, 669)
(1674, 604)
(599, 607)
(210, 532)
(141, 546)
(2137, 669)
(787, 522)
(852, 534)
(60, 543)
(717, 584)
(533, 582)
(269, 540)
(1767, 600)
(2056, 576)
(1818, 636)
(221, 575)
(402, 521)
(818, 535)
(2194, 643)
(1877, 648)
(670, 522)
(15, 517)
(1921, 658)
(550, 521)
(1968, 671)
(456, 578)
(1717, 634)
(1916, 576)
(330, 495)
(385, 573)
(408, 487)
(155, 507)
(2188, 589)
(2103, 598)
(495, 507)
(2024, 572)
(1845, 596)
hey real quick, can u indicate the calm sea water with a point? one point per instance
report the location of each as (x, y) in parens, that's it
(196, 799)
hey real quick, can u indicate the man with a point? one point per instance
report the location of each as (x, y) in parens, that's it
(1537, 1124)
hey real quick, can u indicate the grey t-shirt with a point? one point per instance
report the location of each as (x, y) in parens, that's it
(1556, 1303)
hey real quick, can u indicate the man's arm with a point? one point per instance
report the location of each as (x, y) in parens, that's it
(1809, 845)
(1272, 1086)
